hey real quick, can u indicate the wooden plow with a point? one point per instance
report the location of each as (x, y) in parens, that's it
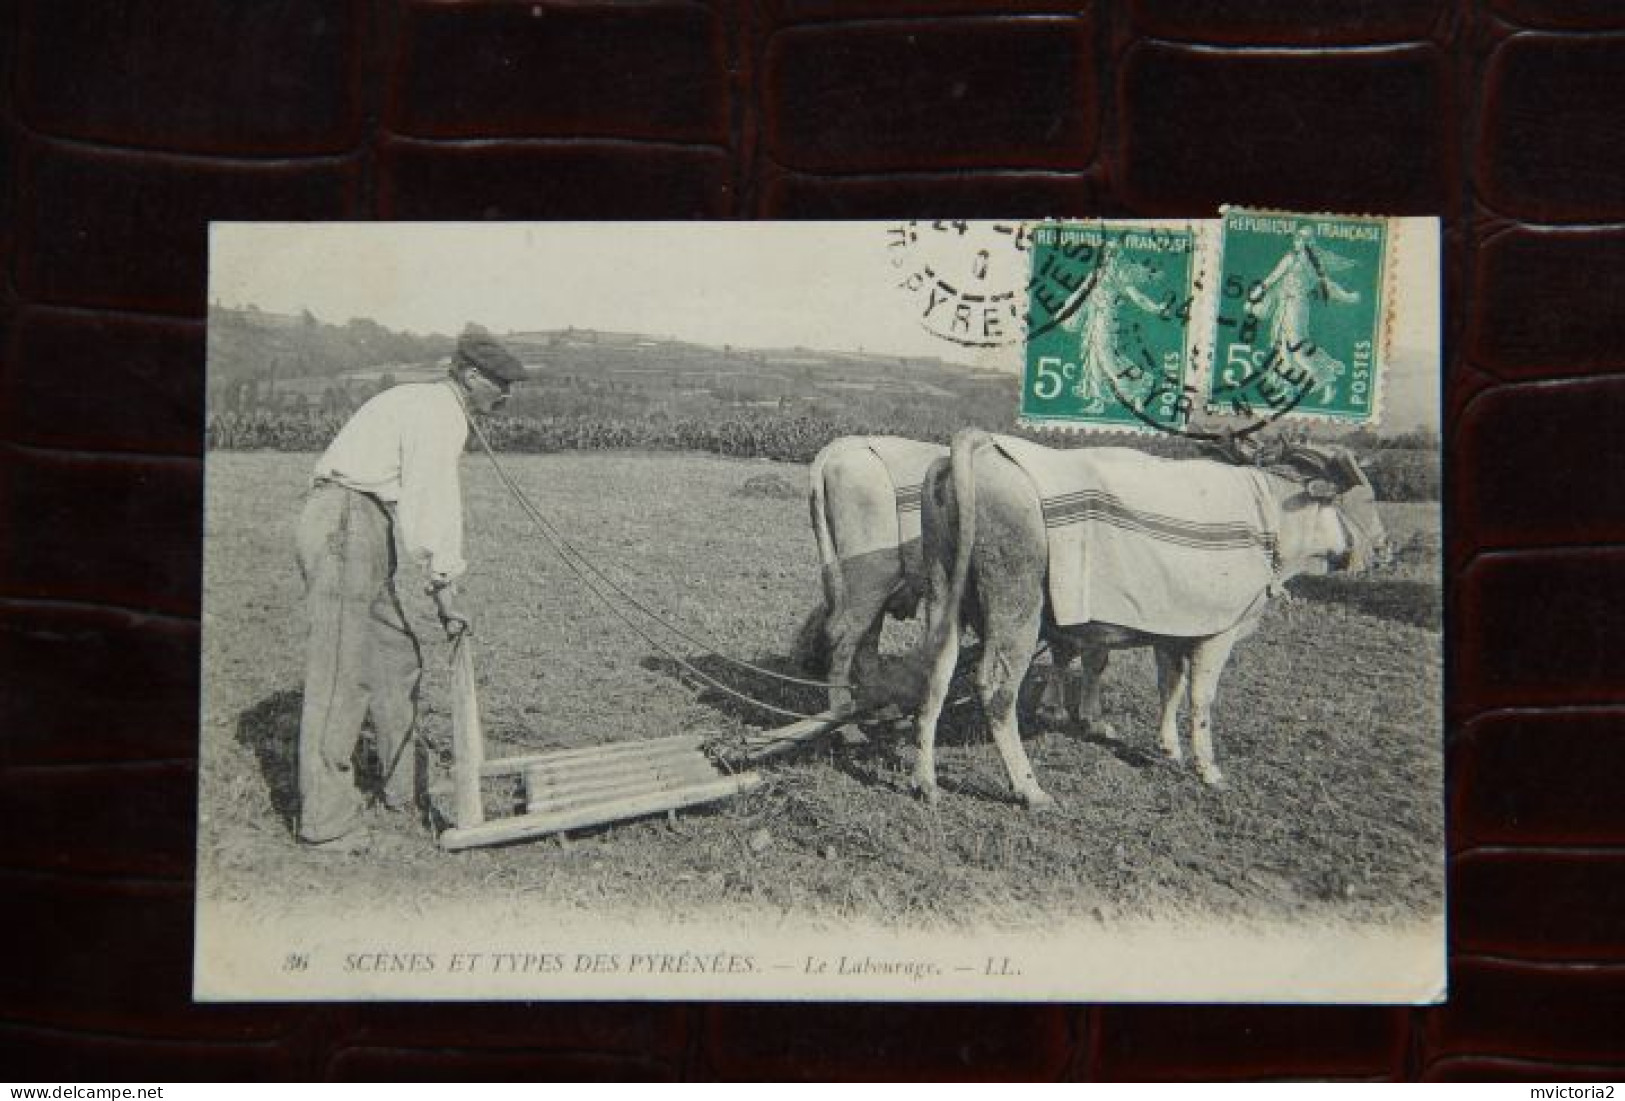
(574, 789)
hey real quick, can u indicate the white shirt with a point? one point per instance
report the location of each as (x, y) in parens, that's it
(403, 447)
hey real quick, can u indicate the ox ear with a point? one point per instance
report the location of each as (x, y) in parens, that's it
(1321, 490)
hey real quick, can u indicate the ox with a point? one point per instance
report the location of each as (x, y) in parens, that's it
(864, 496)
(989, 551)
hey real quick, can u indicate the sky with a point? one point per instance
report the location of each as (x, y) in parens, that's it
(826, 285)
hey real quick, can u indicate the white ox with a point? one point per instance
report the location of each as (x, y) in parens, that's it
(864, 496)
(988, 563)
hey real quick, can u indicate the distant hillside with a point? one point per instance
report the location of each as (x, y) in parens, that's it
(578, 372)
(282, 363)
(260, 360)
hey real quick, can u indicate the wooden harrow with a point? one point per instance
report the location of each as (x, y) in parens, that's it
(575, 789)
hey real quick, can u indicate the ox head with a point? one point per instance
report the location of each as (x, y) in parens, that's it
(1330, 476)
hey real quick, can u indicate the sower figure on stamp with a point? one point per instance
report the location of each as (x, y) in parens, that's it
(1283, 299)
(1101, 359)
(393, 464)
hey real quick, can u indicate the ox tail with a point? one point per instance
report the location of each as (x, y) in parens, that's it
(965, 446)
(812, 640)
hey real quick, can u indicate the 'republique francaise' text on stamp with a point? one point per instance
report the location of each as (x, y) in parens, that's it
(1301, 316)
(1110, 342)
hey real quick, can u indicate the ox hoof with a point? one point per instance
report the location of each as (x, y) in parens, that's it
(1099, 728)
(925, 790)
(1052, 716)
(851, 736)
(1215, 780)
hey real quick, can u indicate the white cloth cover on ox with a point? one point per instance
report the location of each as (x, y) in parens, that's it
(906, 462)
(1185, 548)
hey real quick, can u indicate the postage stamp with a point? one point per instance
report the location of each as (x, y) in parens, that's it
(1302, 316)
(1110, 339)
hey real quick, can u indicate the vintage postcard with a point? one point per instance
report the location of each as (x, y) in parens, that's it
(919, 610)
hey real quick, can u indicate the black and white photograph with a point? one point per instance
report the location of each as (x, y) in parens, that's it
(673, 611)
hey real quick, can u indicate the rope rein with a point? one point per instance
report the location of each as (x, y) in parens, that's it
(596, 581)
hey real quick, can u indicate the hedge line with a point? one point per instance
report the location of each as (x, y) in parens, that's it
(1396, 475)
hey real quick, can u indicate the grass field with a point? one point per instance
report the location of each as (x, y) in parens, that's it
(1328, 728)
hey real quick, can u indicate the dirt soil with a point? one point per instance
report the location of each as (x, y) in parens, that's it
(1328, 726)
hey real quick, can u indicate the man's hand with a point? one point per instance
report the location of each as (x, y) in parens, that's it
(452, 617)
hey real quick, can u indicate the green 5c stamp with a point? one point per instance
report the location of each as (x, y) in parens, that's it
(1109, 335)
(1301, 316)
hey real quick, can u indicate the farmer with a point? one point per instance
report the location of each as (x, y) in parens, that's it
(394, 464)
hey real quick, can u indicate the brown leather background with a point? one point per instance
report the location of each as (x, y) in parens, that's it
(129, 124)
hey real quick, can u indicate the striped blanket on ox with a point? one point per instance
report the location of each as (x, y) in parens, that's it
(1170, 547)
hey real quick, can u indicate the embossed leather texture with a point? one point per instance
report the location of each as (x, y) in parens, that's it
(129, 125)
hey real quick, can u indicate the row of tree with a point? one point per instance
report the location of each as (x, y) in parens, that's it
(249, 347)
(1397, 474)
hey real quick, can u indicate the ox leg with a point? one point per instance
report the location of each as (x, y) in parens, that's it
(938, 656)
(847, 663)
(1083, 692)
(1173, 683)
(866, 656)
(854, 631)
(1005, 657)
(845, 638)
(1056, 702)
(1208, 660)
(941, 654)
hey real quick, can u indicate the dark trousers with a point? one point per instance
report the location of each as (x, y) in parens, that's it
(362, 661)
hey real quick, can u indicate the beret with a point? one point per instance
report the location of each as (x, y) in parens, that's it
(480, 350)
